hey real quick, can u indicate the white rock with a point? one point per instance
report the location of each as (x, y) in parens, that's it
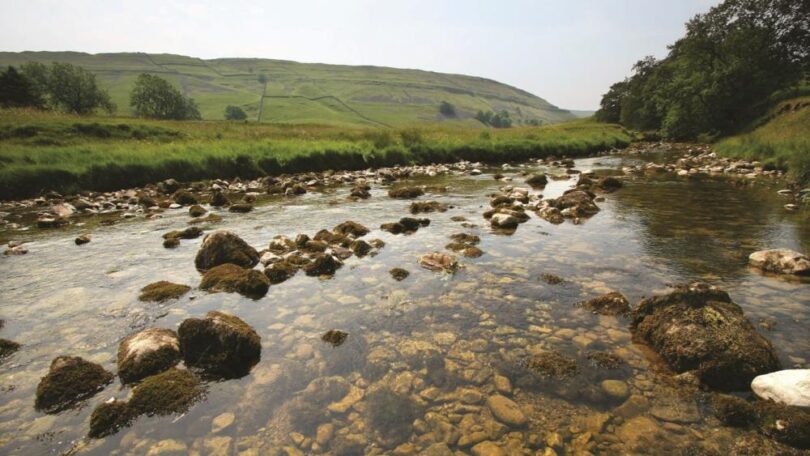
(791, 387)
(781, 261)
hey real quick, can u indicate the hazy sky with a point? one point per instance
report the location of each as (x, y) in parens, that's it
(566, 51)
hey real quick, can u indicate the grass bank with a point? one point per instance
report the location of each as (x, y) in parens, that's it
(780, 139)
(47, 151)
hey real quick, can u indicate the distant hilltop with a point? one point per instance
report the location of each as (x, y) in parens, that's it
(311, 92)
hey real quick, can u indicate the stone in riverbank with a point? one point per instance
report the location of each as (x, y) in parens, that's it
(7, 348)
(506, 410)
(223, 247)
(780, 261)
(173, 391)
(146, 353)
(108, 418)
(789, 387)
(231, 278)
(162, 291)
(613, 303)
(351, 228)
(405, 192)
(399, 274)
(69, 381)
(322, 265)
(219, 343)
(537, 180)
(697, 328)
(439, 262)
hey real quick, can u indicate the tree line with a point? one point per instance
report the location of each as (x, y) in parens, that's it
(73, 89)
(720, 75)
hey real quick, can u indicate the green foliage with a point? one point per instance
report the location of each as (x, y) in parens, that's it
(67, 88)
(446, 109)
(153, 97)
(719, 76)
(234, 113)
(17, 91)
(494, 119)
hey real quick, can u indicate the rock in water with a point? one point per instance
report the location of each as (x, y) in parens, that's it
(146, 353)
(506, 410)
(223, 247)
(70, 380)
(108, 418)
(789, 387)
(613, 303)
(231, 278)
(780, 261)
(220, 343)
(162, 291)
(173, 391)
(697, 328)
(322, 265)
(437, 261)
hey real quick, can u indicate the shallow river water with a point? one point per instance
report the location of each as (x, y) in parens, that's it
(63, 299)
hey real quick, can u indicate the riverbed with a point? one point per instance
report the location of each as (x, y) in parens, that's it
(480, 322)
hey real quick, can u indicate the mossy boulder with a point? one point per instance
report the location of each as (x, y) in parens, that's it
(7, 348)
(184, 198)
(613, 303)
(222, 247)
(786, 424)
(162, 291)
(418, 207)
(399, 274)
(221, 344)
(439, 262)
(241, 208)
(218, 199)
(173, 391)
(733, 410)
(196, 211)
(322, 265)
(537, 180)
(146, 353)
(108, 418)
(697, 328)
(405, 192)
(335, 337)
(351, 228)
(610, 184)
(575, 203)
(391, 415)
(551, 364)
(230, 278)
(280, 271)
(192, 232)
(360, 247)
(69, 381)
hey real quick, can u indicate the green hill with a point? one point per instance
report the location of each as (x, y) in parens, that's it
(309, 92)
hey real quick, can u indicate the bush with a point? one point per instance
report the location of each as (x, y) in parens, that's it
(234, 113)
(153, 97)
(447, 110)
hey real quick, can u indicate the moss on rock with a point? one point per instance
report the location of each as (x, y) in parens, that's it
(108, 418)
(221, 344)
(231, 278)
(399, 274)
(223, 247)
(405, 192)
(173, 391)
(551, 364)
(351, 228)
(613, 303)
(69, 380)
(146, 353)
(733, 411)
(280, 271)
(7, 348)
(162, 291)
(322, 264)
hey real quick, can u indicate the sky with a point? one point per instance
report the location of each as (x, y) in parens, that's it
(566, 51)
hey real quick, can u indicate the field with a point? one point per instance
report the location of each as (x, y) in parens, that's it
(305, 93)
(49, 151)
(780, 139)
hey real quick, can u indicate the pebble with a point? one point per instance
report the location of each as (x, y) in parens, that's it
(222, 422)
(616, 389)
(487, 449)
(506, 411)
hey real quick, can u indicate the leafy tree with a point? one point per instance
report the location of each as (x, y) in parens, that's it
(17, 91)
(447, 109)
(154, 97)
(494, 119)
(67, 87)
(234, 113)
(611, 105)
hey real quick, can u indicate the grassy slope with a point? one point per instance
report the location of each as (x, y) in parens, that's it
(308, 93)
(782, 138)
(44, 150)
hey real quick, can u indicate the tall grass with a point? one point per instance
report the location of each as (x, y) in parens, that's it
(46, 151)
(783, 141)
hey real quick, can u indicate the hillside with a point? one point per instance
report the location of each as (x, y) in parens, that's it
(309, 92)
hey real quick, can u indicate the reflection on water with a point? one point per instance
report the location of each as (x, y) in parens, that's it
(433, 347)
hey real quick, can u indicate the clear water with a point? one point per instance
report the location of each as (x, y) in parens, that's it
(61, 299)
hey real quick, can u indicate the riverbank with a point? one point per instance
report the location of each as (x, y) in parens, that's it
(47, 151)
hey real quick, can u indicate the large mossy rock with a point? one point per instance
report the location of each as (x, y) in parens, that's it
(146, 353)
(231, 278)
(698, 328)
(162, 291)
(221, 344)
(108, 418)
(7, 348)
(173, 391)
(223, 247)
(70, 380)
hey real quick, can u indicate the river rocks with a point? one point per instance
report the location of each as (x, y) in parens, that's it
(780, 261)
(218, 199)
(537, 180)
(504, 221)
(609, 184)
(230, 278)
(391, 415)
(196, 211)
(551, 364)
(188, 233)
(334, 337)
(613, 303)
(322, 265)
(173, 391)
(406, 225)
(70, 380)
(108, 418)
(146, 353)
(733, 411)
(639, 434)
(219, 343)
(405, 192)
(51, 222)
(785, 424)
(223, 247)
(506, 411)
(280, 271)
(360, 247)
(439, 262)
(575, 203)
(789, 387)
(698, 328)
(168, 186)
(350, 228)
(487, 448)
(184, 198)
(399, 274)
(240, 208)
(82, 239)
(162, 291)
(418, 207)
(7, 348)
(616, 390)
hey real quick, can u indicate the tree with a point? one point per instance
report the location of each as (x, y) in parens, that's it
(67, 88)
(611, 105)
(447, 110)
(154, 97)
(234, 113)
(17, 91)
